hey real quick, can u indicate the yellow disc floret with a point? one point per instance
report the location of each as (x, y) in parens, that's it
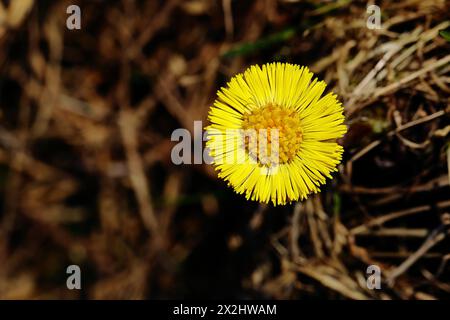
(269, 123)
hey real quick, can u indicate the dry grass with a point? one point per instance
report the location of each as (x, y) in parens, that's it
(86, 176)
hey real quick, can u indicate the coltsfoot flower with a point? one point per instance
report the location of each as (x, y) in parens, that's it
(272, 136)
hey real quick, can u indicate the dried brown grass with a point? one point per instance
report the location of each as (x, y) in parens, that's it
(86, 176)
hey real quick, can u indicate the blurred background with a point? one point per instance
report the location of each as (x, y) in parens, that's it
(86, 176)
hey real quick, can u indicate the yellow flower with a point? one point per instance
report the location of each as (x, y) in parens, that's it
(272, 136)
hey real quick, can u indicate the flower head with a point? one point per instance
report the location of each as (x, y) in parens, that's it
(272, 136)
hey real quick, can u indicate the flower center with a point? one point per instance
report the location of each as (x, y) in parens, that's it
(269, 122)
